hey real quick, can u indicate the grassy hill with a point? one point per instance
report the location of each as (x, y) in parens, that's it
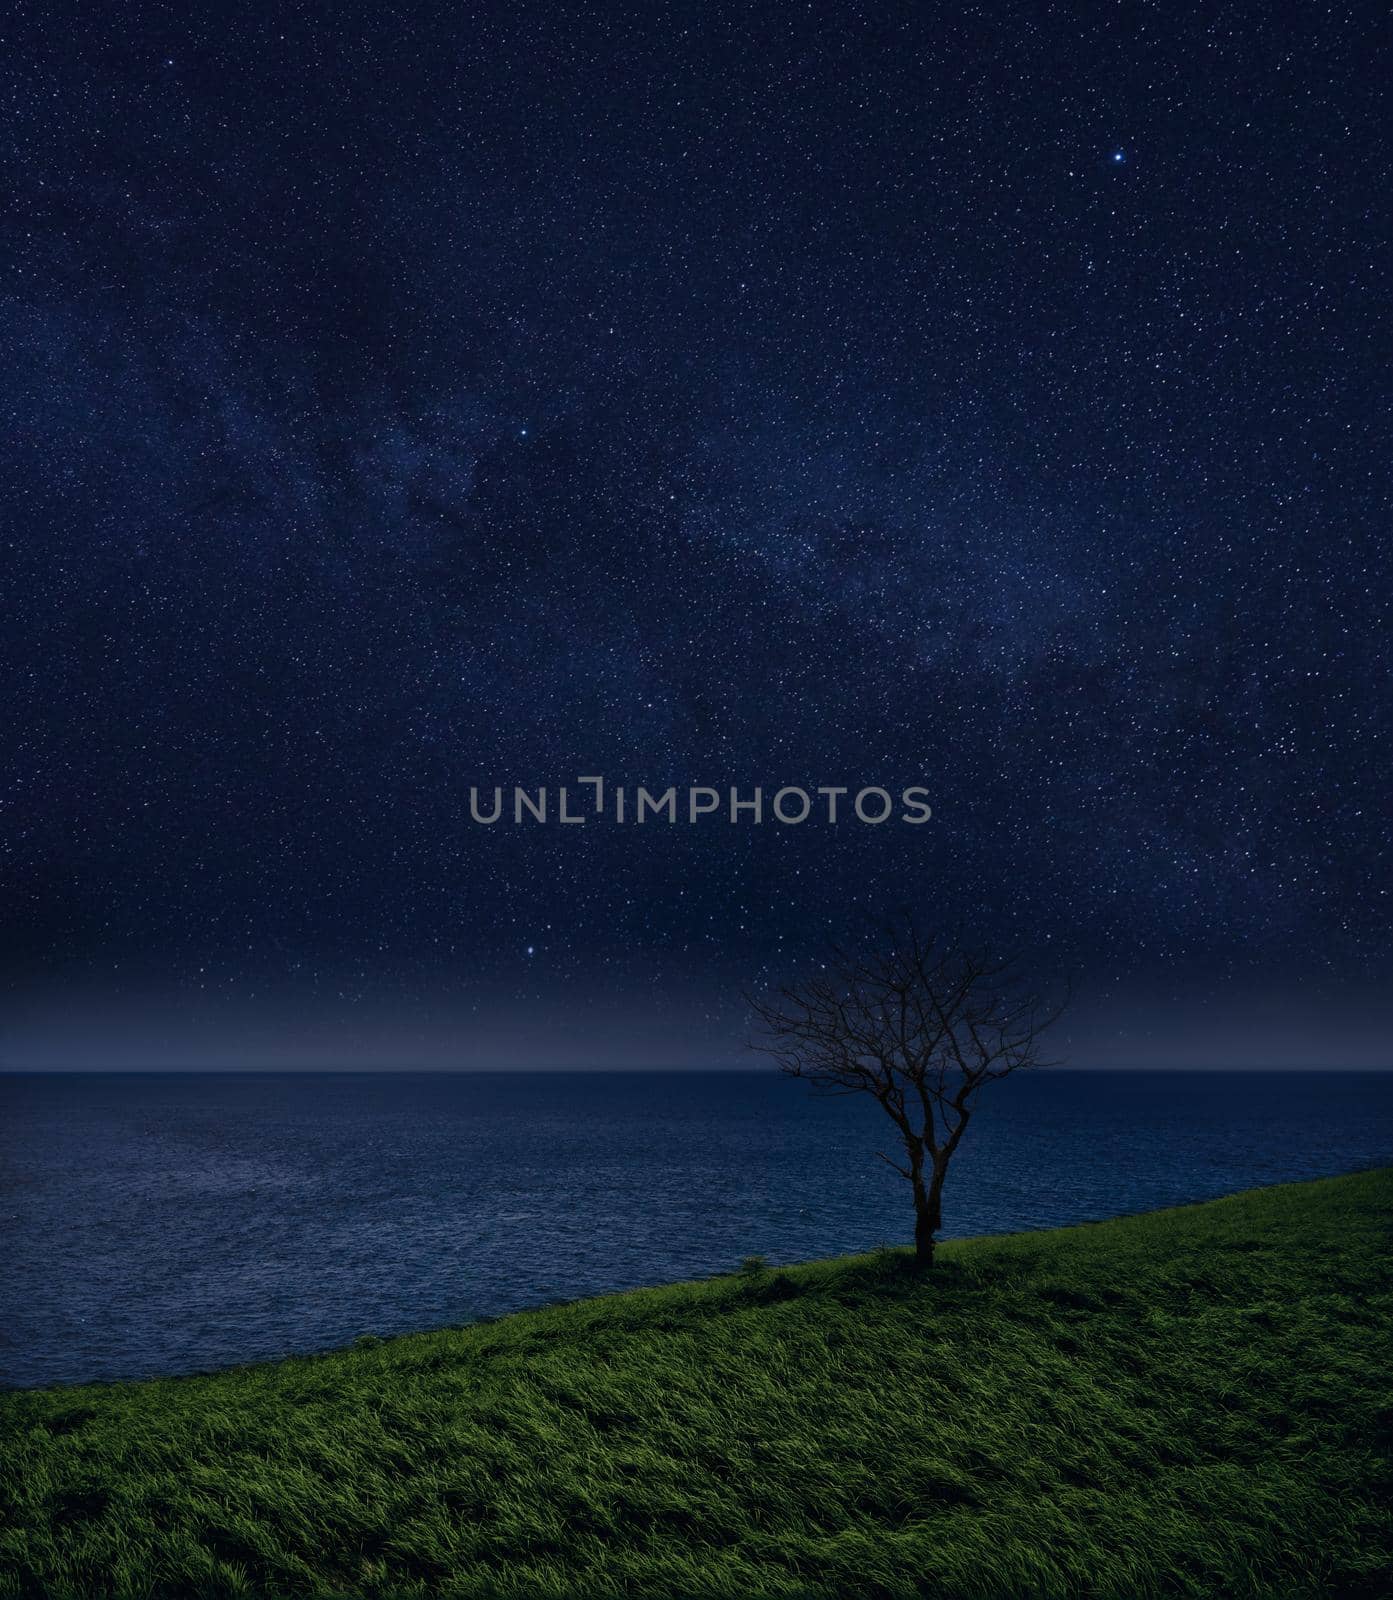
(1191, 1402)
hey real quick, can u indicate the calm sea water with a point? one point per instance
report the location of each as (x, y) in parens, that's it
(158, 1223)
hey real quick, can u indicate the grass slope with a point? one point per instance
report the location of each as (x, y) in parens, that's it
(1191, 1402)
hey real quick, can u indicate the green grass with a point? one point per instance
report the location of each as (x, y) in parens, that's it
(1191, 1402)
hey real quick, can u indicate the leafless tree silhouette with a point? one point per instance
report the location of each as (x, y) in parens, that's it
(919, 1023)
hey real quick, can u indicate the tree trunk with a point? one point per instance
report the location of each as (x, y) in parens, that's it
(928, 1211)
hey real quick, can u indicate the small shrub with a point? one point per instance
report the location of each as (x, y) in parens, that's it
(776, 1286)
(752, 1266)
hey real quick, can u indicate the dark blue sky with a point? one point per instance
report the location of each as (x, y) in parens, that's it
(992, 399)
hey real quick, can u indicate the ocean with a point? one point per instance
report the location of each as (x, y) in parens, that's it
(165, 1223)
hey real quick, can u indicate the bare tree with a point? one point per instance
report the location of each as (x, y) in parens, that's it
(919, 1024)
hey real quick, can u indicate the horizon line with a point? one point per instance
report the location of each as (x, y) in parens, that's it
(380, 1070)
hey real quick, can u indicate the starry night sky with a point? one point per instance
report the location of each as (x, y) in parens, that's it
(993, 399)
